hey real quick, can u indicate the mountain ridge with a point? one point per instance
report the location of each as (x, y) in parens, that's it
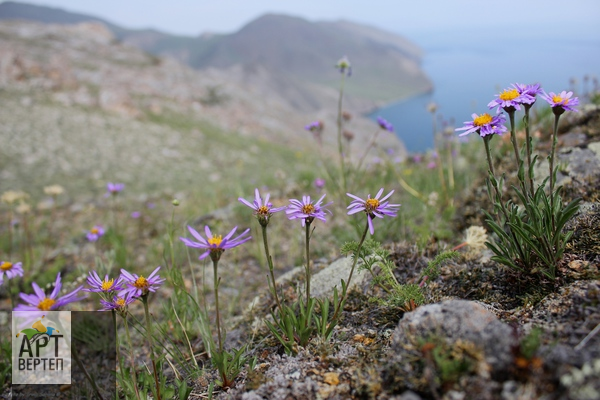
(387, 66)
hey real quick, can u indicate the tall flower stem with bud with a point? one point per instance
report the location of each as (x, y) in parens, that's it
(344, 66)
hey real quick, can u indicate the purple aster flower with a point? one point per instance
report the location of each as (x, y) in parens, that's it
(135, 214)
(10, 270)
(561, 102)
(95, 233)
(40, 302)
(114, 188)
(431, 165)
(511, 99)
(484, 125)
(529, 90)
(262, 210)
(417, 158)
(343, 65)
(119, 302)
(98, 285)
(215, 245)
(383, 124)
(138, 286)
(306, 210)
(375, 207)
(319, 183)
(316, 126)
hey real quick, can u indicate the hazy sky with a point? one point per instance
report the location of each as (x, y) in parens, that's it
(411, 18)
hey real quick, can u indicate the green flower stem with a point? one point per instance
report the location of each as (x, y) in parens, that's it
(270, 262)
(118, 345)
(10, 294)
(529, 149)
(151, 343)
(347, 286)
(216, 288)
(513, 137)
(171, 238)
(339, 134)
(552, 174)
(486, 142)
(133, 374)
(307, 236)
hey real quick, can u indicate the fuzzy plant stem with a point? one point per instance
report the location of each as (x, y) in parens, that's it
(151, 344)
(216, 282)
(513, 137)
(529, 149)
(307, 238)
(117, 344)
(340, 305)
(133, 374)
(270, 262)
(339, 135)
(552, 172)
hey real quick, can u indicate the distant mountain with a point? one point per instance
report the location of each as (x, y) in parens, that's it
(293, 56)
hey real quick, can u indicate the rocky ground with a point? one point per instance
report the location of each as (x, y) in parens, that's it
(487, 332)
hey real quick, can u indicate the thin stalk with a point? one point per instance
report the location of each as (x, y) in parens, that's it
(151, 344)
(450, 166)
(339, 136)
(171, 238)
(270, 262)
(513, 137)
(529, 150)
(216, 288)
(307, 238)
(117, 345)
(552, 174)
(345, 292)
(133, 374)
(10, 294)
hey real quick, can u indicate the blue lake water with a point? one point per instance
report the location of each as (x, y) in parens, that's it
(466, 77)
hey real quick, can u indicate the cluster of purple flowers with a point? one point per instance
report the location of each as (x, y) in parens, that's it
(512, 99)
(306, 210)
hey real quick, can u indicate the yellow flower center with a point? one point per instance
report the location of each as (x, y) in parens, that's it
(5, 266)
(215, 240)
(509, 94)
(120, 302)
(483, 119)
(94, 230)
(559, 100)
(46, 304)
(308, 209)
(371, 204)
(263, 210)
(106, 285)
(141, 283)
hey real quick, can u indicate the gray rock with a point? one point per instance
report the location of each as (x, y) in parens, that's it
(458, 320)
